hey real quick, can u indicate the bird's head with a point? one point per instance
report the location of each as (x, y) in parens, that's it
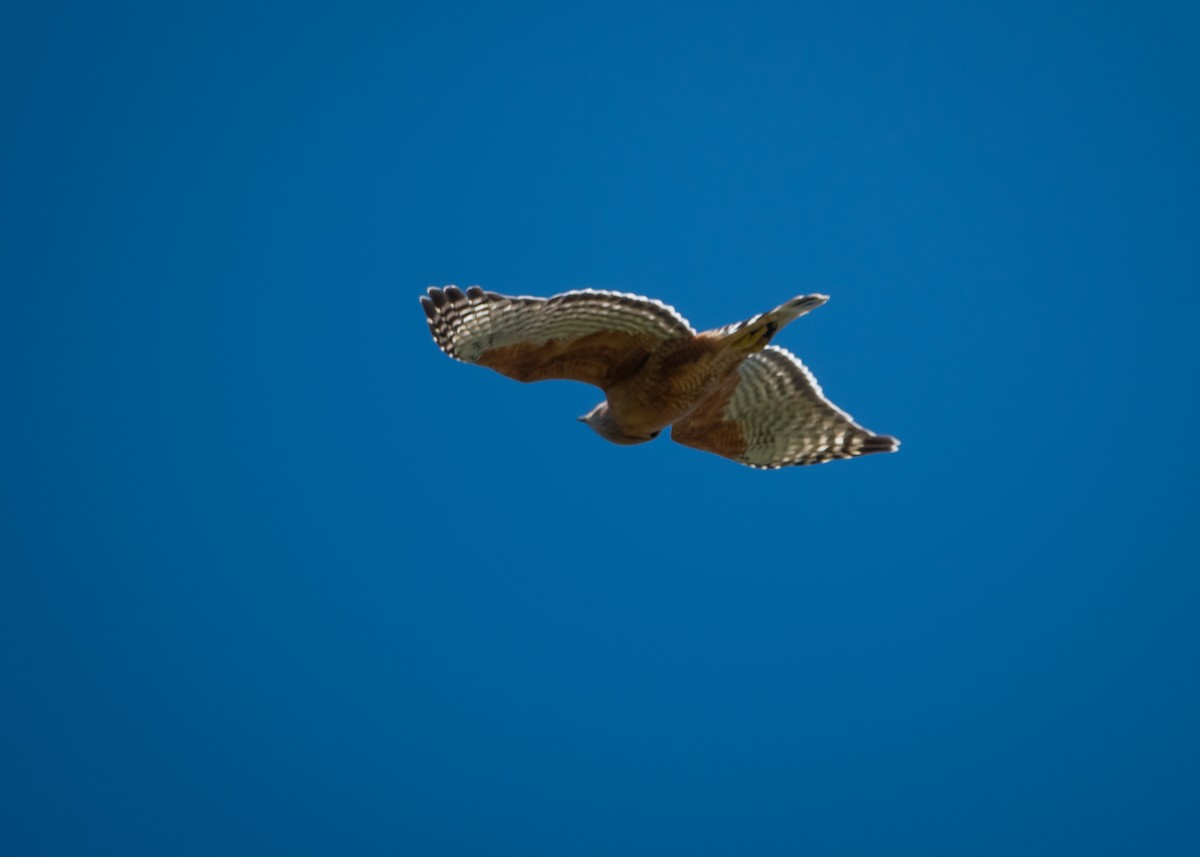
(600, 420)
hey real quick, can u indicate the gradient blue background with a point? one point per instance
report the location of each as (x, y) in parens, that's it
(280, 578)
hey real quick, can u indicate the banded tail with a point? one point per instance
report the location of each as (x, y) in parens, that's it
(756, 333)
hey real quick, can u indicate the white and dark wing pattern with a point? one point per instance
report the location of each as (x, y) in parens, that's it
(591, 336)
(773, 414)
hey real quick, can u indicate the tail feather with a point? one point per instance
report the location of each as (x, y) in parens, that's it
(756, 333)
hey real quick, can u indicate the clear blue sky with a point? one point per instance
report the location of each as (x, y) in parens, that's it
(281, 578)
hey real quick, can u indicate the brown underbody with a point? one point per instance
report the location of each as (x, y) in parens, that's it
(645, 392)
(672, 383)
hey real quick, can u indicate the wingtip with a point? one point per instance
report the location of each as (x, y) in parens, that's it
(436, 298)
(880, 443)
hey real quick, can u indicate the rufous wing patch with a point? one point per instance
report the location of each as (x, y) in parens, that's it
(597, 358)
(707, 428)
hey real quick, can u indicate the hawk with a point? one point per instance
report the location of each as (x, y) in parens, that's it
(727, 391)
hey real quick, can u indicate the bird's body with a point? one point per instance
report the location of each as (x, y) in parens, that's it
(722, 390)
(685, 371)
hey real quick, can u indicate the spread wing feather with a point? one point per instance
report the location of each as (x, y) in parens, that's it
(592, 336)
(773, 414)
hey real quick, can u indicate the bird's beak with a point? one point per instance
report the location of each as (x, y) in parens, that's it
(582, 419)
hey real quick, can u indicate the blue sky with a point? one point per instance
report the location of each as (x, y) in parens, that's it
(281, 578)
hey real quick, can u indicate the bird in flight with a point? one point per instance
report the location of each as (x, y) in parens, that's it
(726, 391)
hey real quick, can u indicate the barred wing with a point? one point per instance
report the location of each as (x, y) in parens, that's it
(773, 414)
(591, 336)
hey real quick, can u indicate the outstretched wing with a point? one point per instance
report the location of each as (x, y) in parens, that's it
(773, 414)
(591, 336)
